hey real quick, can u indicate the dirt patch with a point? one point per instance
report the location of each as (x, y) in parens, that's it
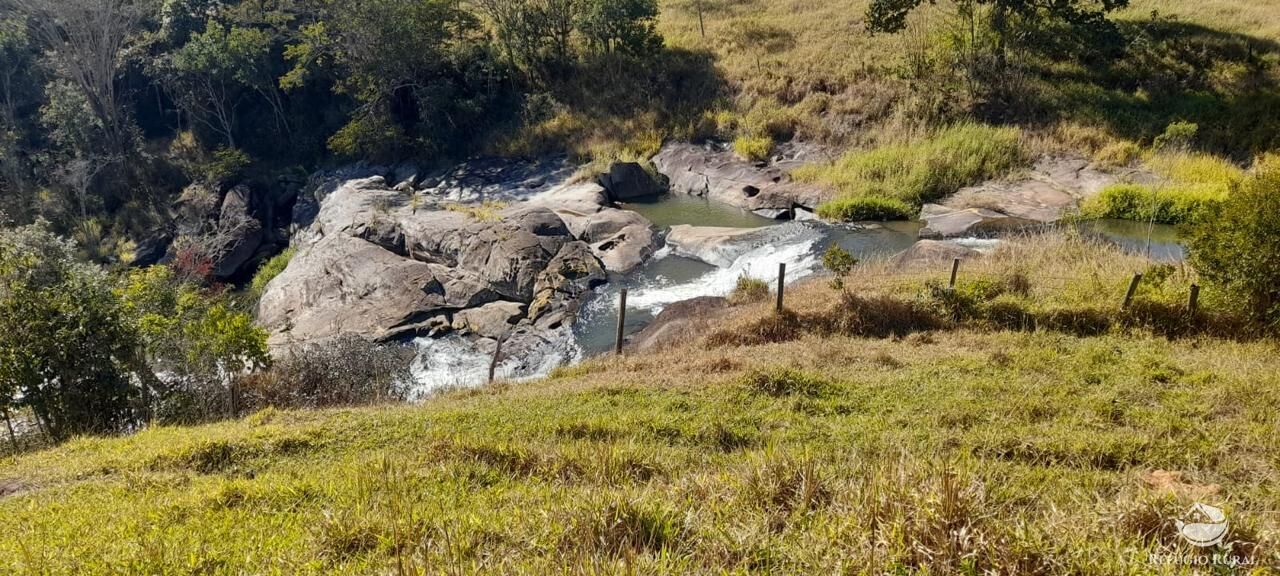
(1171, 481)
(10, 487)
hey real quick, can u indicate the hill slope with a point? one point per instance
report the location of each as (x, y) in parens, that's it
(960, 450)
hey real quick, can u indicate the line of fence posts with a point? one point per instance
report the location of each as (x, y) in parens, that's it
(1192, 304)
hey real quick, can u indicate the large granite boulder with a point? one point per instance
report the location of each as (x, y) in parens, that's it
(944, 222)
(345, 285)
(374, 264)
(628, 181)
(722, 247)
(715, 245)
(678, 323)
(493, 320)
(228, 227)
(718, 174)
(621, 239)
(238, 235)
(497, 180)
(1045, 193)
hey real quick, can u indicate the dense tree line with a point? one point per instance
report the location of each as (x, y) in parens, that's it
(108, 107)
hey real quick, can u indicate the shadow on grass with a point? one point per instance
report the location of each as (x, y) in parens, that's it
(1227, 83)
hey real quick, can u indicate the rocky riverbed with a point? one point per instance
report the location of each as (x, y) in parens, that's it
(518, 251)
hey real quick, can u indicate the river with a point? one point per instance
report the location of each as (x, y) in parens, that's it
(668, 278)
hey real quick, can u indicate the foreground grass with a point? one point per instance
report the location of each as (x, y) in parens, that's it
(1011, 452)
(950, 451)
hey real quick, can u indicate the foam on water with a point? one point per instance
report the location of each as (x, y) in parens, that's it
(761, 262)
(456, 362)
(984, 245)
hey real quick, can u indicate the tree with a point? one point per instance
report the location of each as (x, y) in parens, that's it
(214, 71)
(625, 26)
(535, 35)
(1021, 21)
(87, 40)
(1234, 248)
(421, 75)
(66, 351)
(18, 93)
(196, 337)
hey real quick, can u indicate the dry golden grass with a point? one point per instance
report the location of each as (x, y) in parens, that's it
(1252, 17)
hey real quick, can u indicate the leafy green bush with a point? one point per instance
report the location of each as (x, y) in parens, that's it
(866, 208)
(1178, 135)
(923, 170)
(839, 262)
(66, 347)
(197, 337)
(227, 165)
(754, 148)
(1235, 247)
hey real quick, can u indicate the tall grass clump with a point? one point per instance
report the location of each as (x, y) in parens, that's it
(749, 290)
(753, 148)
(916, 172)
(865, 208)
(1190, 183)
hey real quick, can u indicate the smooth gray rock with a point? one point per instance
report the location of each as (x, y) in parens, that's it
(628, 181)
(238, 234)
(493, 320)
(621, 239)
(721, 247)
(374, 264)
(941, 222)
(345, 285)
(721, 176)
(678, 323)
(1043, 194)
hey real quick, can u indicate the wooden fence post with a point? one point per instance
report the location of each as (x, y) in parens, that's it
(1194, 301)
(1133, 289)
(782, 280)
(622, 320)
(497, 354)
(955, 269)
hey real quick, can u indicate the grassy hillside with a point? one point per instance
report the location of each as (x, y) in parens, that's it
(956, 450)
(824, 77)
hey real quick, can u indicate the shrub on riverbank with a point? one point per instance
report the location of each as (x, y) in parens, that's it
(918, 171)
(1235, 248)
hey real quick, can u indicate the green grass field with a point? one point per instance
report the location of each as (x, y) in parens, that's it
(958, 450)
